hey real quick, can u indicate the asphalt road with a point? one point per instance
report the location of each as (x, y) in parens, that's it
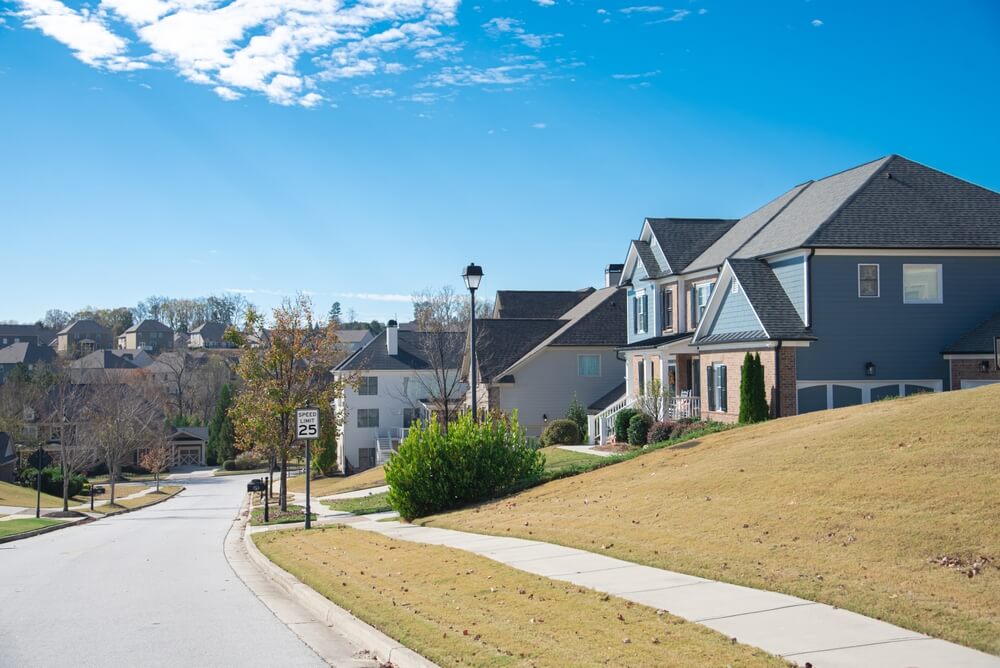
(148, 588)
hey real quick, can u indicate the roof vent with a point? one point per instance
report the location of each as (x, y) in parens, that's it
(888, 175)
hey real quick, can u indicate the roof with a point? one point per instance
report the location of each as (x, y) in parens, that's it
(374, 356)
(44, 335)
(980, 340)
(103, 359)
(601, 323)
(7, 451)
(213, 331)
(501, 342)
(85, 325)
(608, 399)
(648, 258)
(26, 353)
(683, 239)
(537, 303)
(194, 432)
(655, 341)
(352, 335)
(149, 325)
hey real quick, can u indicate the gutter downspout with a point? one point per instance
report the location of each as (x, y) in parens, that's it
(809, 287)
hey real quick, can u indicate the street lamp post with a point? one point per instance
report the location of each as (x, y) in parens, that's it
(473, 275)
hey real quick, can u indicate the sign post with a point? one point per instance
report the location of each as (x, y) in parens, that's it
(307, 428)
(39, 459)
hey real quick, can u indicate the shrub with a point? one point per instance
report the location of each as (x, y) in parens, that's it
(435, 471)
(229, 465)
(753, 399)
(661, 431)
(622, 419)
(247, 461)
(578, 414)
(52, 481)
(561, 432)
(638, 428)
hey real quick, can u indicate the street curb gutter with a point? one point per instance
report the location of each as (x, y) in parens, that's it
(148, 505)
(48, 529)
(331, 615)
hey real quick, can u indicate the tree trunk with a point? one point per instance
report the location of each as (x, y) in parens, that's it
(283, 501)
(156, 476)
(65, 479)
(112, 474)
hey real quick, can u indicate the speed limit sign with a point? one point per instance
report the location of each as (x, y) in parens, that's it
(307, 423)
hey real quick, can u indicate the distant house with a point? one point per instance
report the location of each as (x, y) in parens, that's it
(181, 340)
(27, 354)
(542, 348)
(397, 386)
(351, 340)
(188, 446)
(39, 336)
(8, 458)
(149, 335)
(82, 337)
(209, 335)
(108, 366)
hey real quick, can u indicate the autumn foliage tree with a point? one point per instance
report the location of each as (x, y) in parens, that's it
(156, 459)
(283, 368)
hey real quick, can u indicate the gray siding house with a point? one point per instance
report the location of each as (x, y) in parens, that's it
(882, 280)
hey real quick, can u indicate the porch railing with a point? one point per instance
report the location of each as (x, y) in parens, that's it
(600, 425)
(388, 441)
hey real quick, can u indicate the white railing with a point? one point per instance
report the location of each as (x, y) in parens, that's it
(599, 426)
(680, 408)
(388, 441)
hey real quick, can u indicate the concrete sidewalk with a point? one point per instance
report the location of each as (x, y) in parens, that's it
(356, 494)
(588, 450)
(793, 628)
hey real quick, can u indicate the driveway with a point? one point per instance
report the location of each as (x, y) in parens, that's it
(149, 588)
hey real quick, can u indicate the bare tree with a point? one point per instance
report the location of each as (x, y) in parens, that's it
(177, 369)
(127, 416)
(65, 410)
(156, 458)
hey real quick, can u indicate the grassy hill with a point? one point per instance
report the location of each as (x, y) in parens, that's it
(854, 507)
(15, 495)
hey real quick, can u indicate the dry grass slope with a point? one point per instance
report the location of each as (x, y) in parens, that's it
(374, 477)
(460, 609)
(15, 495)
(845, 507)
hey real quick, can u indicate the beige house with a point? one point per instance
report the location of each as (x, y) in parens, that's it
(82, 337)
(149, 335)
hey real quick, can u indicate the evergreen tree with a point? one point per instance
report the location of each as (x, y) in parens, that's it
(753, 400)
(335, 312)
(324, 456)
(220, 429)
(578, 414)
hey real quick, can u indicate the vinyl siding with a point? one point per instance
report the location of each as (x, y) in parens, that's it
(790, 272)
(654, 310)
(735, 313)
(903, 340)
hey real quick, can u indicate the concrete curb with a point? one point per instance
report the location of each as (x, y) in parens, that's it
(332, 615)
(48, 529)
(148, 505)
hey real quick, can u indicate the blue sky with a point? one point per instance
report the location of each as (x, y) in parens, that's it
(361, 152)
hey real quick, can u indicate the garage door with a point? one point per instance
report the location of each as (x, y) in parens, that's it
(967, 384)
(188, 456)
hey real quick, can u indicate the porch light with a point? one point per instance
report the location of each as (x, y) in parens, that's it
(869, 368)
(545, 418)
(473, 274)
(984, 366)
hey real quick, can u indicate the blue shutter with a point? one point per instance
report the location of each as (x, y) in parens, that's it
(645, 311)
(723, 404)
(710, 370)
(635, 315)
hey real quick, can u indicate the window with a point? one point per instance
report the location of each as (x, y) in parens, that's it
(667, 297)
(700, 294)
(868, 285)
(367, 417)
(642, 376)
(922, 284)
(588, 365)
(640, 313)
(717, 399)
(410, 416)
(368, 386)
(735, 288)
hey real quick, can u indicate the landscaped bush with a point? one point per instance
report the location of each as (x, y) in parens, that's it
(229, 465)
(435, 471)
(622, 419)
(561, 432)
(247, 461)
(638, 428)
(578, 414)
(52, 481)
(661, 431)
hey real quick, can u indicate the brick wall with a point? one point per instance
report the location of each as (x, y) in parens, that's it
(969, 369)
(733, 359)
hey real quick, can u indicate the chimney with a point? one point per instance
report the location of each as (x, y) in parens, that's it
(613, 274)
(392, 337)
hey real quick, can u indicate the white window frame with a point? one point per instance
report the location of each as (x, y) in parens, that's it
(364, 385)
(878, 280)
(706, 287)
(579, 368)
(367, 413)
(641, 317)
(940, 285)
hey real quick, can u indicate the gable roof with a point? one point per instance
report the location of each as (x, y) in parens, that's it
(213, 331)
(85, 325)
(7, 451)
(103, 359)
(648, 258)
(501, 342)
(597, 321)
(43, 334)
(192, 432)
(980, 340)
(26, 353)
(537, 303)
(682, 240)
(374, 356)
(611, 397)
(148, 325)
(352, 335)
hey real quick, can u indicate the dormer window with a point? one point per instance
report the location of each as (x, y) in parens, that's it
(667, 303)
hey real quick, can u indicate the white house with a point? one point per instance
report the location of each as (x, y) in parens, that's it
(394, 383)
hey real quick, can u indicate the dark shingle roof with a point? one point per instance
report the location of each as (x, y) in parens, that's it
(149, 325)
(537, 303)
(608, 399)
(20, 331)
(375, 355)
(211, 331)
(655, 341)
(85, 325)
(26, 353)
(503, 341)
(603, 325)
(684, 239)
(103, 359)
(981, 340)
(648, 259)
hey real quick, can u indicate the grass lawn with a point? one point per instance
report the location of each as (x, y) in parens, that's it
(374, 477)
(848, 507)
(12, 527)
(121, 489)
(460, 609)
(128, 477)
(140, 501)
(257, 472)
(373, 503)
(276, 516)
(15, 495)
(557, 459)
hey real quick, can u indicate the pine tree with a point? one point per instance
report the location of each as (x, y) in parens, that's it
(324, 460)
(753, 400)
(578, 414)
(761, 411)
(335, 312)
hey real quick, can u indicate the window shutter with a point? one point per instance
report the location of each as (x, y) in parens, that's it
(635, 315)
(723, 405)
(710, 370)
(645, 311)
(694, 307)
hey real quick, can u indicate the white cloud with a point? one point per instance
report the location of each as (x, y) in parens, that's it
(815, 23)
(374, 296)
(85, 34)
(503, 75)
(545, 3)
(640, 75)
(227, 94)
(678, 16)
(364, 90)
(641, 9)
(703, 11)
(240, 291)
(539, 126)
(497, 27)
